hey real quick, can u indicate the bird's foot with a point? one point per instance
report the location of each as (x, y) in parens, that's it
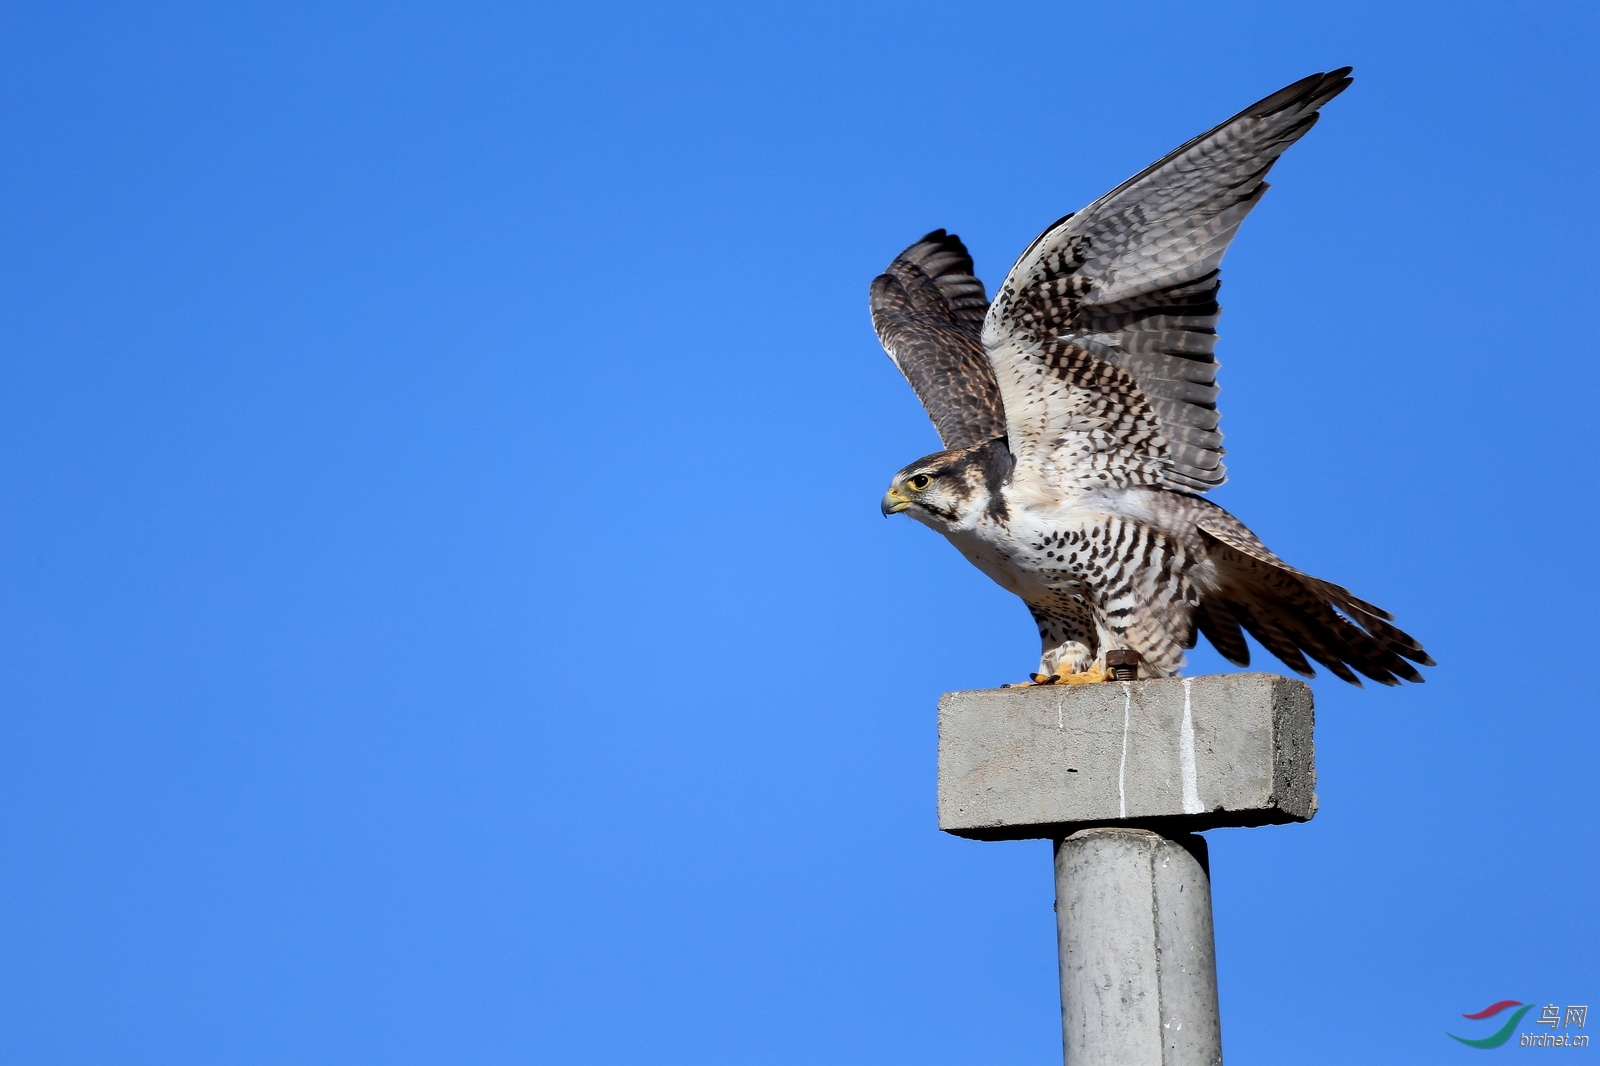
(1096, 672)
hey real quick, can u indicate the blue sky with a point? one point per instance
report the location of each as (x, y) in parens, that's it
(446, 615)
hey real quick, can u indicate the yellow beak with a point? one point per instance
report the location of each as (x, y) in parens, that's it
(893, 503)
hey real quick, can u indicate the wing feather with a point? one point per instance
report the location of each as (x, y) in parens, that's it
(1295, 615)
(1102, 336)
(928, 309)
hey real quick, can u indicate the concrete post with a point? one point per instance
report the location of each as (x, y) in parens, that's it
(1138, 960)
(1121, 776)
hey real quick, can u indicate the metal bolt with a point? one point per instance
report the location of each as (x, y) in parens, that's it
(1124, 664)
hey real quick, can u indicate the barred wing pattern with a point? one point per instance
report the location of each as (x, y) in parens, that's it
(1294, 614)
(928, 309)
(1101, 337)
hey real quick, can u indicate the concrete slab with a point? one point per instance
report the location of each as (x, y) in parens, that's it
(1177, 755)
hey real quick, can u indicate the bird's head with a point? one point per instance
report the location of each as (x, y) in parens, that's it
(946, 490)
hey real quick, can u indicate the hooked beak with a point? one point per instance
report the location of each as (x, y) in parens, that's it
(893, 503)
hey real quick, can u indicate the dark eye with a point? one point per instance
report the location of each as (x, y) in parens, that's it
(921, 481)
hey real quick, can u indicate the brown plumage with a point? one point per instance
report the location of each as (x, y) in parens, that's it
(928, 310)
(1079, 417)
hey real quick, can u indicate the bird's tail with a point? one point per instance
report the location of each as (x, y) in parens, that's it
(1295, 615)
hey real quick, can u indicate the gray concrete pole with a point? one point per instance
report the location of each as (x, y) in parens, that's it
(1121, 776)
(1138, 959)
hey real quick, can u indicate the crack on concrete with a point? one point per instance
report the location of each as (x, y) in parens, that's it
(1154, 849)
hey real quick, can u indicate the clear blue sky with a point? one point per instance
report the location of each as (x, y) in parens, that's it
(446, 614)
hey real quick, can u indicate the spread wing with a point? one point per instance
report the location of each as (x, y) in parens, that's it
(928, 310)
(1294, 615)
(1102, 335)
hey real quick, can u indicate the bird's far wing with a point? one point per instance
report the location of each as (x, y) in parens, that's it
(1102, 334)
(1295, 615)
(928, 310)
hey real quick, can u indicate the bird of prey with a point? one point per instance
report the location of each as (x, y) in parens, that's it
(1079, 417)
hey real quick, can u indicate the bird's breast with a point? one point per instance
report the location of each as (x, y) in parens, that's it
(1036, 551)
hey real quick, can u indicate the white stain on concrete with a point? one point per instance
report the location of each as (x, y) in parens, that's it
(1191, 781)
(1122, 771)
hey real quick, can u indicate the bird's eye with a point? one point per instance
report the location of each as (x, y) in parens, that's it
(920, 482)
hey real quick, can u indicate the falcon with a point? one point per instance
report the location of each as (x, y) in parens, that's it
(1078, 412)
